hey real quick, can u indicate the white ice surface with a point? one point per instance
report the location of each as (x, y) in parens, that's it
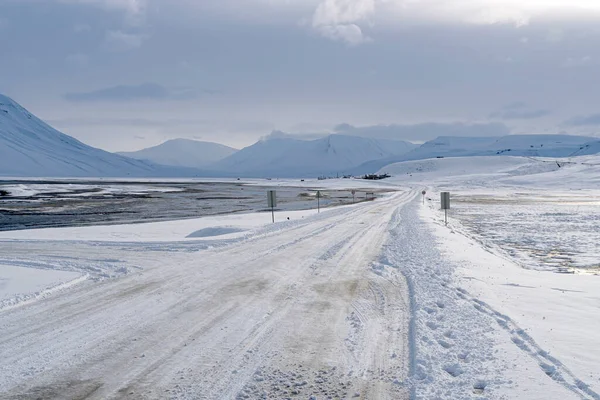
(18, 284)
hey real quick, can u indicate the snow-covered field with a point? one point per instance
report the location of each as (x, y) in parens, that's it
(555, 230)
(374, 300)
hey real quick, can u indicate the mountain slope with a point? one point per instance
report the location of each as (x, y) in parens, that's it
(30, 147)
(511, 145)
(589, 148)
(183, 153)
(288, 157)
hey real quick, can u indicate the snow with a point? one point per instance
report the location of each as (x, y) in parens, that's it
(292, 310)
(30, 147)
(20, 284)
(464, 166)
(515, 145)
(551, 315)
(562, 146)
(183, 153)
(287, 157)
(224, 226)
(376, 300)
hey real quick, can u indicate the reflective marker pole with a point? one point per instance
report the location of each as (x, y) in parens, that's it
(272, 202)
(318, 201)
(445, 200)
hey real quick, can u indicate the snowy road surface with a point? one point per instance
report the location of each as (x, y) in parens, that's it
(373, 301)
(292, 312)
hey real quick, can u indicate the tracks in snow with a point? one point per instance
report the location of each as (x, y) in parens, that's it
(270, 316)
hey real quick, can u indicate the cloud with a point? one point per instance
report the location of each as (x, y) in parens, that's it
(276, 134)
(519, 110)
(337, 19)
(577, 62)
(425, 131)
(133, 7)
(520, 114)
(120, 41)
(584, 120)
(77, 60)
(517, 13)
(413, 133)
(82, 28)
(145, 91)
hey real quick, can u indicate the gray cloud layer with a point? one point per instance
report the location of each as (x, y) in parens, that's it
(584, 120)
(144, 91)
(426, 131)
(301, 65)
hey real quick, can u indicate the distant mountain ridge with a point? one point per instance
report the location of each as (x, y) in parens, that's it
(290, 157)
(511, 145)
(183, 153)
(29, 147)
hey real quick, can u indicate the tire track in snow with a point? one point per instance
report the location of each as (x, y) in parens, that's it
(551, 366)
(454, 336)
(447, 361)
(121, 340)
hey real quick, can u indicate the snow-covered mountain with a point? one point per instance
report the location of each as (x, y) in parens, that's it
(183, 153)
(289, 157)
(30, 147)
(511, 145)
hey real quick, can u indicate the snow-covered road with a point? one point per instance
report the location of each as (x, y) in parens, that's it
(377, 300)
(298, 311)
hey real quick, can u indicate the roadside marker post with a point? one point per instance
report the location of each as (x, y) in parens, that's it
(319, 201)
(424, 193)
(353, 194)
(445, 198)
(272, 202)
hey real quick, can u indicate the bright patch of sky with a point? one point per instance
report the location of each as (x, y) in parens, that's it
(128, 74)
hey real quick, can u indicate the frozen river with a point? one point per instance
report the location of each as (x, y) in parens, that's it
(43, 204)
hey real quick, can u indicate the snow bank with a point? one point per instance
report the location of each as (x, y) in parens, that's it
(549, 317)
(22, 284)
(224, 226)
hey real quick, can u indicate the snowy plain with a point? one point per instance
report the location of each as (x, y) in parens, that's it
(373, 300)
(521, 250)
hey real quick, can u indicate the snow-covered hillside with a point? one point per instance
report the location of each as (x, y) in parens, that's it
(183, 153)
(574, 173)
(512, 145)
(435, 168)
(30, 147)
(287, 157)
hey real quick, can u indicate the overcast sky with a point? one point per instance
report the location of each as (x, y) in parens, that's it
(128, 74)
